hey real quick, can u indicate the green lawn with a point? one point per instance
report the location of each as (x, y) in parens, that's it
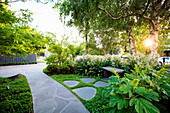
(16, 99)
(95, 104)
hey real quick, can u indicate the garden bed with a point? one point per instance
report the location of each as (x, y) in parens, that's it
(15, 96)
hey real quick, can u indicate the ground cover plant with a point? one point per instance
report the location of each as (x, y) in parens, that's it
(15, 95)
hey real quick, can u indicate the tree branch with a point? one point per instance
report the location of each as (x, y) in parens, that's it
(152, 22)
(146, 7)
(113, 18)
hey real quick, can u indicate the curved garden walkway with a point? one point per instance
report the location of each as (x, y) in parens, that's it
(49, 96)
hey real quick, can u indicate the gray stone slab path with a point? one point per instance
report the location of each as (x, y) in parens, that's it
(71, 83)
(101, 84)
(87, 80)
(85, 93)
(49, 96)
(105, 79)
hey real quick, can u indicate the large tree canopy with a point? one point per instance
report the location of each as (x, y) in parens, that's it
(130, 13)
(16, 37)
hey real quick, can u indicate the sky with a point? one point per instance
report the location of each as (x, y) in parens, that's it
(46, 19)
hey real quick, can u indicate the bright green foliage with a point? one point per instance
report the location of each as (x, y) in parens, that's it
(62, 51)
(18, 98)
(16, 37)
(138, 91)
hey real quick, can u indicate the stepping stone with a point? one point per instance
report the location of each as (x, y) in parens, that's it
(105, 79)
(87, 80)
(71, 83)
(101, 84)
(85, 93)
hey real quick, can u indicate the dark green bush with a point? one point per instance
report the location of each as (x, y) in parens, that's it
(53, 68)
(13, 63)
(59, 69)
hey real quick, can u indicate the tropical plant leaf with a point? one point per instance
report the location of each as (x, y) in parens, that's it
(114, 80)
(115, 73)
(125, 88)
(142, 104)
(135, 82)
(166, 89)
(132, 102)
(148, 94)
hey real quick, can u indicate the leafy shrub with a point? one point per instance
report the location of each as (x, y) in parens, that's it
(138, 91)
(59, 69)
(52, 59)
(53, 68)
(17, 63)
(12, 63)
(45, 70)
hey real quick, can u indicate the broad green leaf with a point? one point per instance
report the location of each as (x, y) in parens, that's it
(132, 102)
(114, 80)
(148, 107)
(130, 94)
(135, 82)
(166, 89)
(148, 94)
(125, 88)
(114, 100)
(120, 104)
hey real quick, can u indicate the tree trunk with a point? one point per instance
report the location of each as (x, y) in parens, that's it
(107, 51)
(154, 38)
(86, 44)
(104, 48)
(131, 40)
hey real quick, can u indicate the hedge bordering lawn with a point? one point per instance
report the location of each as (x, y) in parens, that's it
(16, 63)
(15, 96)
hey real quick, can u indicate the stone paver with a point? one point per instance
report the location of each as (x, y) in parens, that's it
(101, 84)
(87, 80)
(85, 93)
(105, 79)
(71, 83)
(49, 96)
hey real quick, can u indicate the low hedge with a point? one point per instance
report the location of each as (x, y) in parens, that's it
(16, 63)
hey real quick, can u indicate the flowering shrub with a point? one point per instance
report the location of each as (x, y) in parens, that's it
(91, 65)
